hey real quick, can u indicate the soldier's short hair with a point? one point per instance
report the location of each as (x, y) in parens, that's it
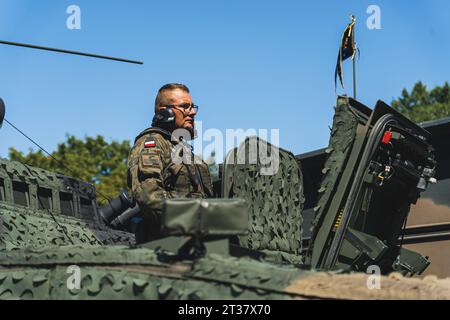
(169, 86)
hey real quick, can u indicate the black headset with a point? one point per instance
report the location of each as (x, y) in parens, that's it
(164, 117)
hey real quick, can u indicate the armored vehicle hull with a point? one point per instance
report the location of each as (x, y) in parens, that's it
(118, 272)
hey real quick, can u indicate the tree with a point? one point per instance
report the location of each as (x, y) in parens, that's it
(422, 105)
(93, 159)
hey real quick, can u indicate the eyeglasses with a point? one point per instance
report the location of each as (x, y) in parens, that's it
(186, 107)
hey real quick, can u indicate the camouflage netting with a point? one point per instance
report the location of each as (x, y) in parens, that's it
(275, 201)
(342, 137)
(28, 224)
(21, 172)
(118, 272)
(16, 172)
(18, 228)
(22, 227)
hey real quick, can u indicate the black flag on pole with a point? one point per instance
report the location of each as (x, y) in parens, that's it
(347, 50)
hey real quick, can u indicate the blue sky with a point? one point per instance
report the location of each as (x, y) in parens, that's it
(249, 64)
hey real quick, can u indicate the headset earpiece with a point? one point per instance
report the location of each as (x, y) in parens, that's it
(164, 117)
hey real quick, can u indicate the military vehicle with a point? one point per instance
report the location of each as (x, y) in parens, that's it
(57, 243)
(428, 226)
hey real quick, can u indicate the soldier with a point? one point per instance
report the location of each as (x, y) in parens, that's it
(161, 164)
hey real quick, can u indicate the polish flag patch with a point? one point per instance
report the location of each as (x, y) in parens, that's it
(150, 144)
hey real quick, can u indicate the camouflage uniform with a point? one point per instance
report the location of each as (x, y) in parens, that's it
(153, 176)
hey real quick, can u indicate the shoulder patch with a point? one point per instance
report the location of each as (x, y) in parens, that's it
(150, 142)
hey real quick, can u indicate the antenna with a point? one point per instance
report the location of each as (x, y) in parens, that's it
(354, 56)
(32, 46)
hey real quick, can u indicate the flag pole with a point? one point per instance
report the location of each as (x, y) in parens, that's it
(354, 58)
(354, 78)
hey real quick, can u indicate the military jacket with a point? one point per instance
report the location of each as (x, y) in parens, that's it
(159, 169)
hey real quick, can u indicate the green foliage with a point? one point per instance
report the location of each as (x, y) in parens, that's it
(92, 159)
(422, 105)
